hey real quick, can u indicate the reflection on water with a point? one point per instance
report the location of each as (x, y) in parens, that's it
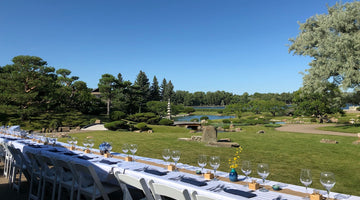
(211, 117)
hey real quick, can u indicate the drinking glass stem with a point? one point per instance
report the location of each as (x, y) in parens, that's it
(215, 174)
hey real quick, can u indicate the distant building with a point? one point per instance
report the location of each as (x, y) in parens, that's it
(96, 92)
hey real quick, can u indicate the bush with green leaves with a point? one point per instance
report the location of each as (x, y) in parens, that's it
(194, 120)
(141, 117)
(189, 110)
(226, 121)
(117, 115)
(204, 118)
(115, 125)
(154, 120)
(142, 126)
(166, 122)
(54, 124)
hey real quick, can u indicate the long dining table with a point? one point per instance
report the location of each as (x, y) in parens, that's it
(155, 169)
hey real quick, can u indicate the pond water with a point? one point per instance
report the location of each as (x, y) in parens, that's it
(211, 117)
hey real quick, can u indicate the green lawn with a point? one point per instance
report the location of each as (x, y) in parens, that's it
(353, 128)
(286, 153)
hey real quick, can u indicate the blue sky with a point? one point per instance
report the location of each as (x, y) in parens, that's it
(200, 45)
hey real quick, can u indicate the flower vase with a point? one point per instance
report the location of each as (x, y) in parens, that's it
(233, 176)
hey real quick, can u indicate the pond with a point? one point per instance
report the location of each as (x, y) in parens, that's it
(211, 117)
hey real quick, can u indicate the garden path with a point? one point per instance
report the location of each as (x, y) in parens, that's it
(312, 129)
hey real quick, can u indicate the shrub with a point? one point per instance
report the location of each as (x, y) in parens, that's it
(226, 121)
(166, 122)
(115, 125)
(93, 120)
(117, 115)
(272, 125)
(154, 120)
(226, 127)
(142, 126)
(194, 120)
(54, 124)
(141, 117)
(313, 120)
(189, 110)
(204, 118)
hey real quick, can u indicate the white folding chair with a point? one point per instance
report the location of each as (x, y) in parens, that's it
(196, 196)
(36, 177)
(66, 176)
(159, 190)
(8, 160)
(89, 183)
(48, 174)
(134, 182)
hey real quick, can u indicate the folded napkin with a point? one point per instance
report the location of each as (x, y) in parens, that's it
(193, 181)
(155, 172)
(108, 162)
(54, 150)
(70, 154)
(11, 139)
(34, 146)
(240, 193)
(85, 157)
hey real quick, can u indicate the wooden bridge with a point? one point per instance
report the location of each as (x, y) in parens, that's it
(192, 125)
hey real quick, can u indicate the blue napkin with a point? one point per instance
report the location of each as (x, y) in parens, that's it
(108, 162)
(54, 150)
(240, 193)
(85, 157)
(34, 146)
(70, 154)
(155, 172)
(193, 181)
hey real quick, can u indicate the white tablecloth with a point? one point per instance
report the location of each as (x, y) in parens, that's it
(136, 169)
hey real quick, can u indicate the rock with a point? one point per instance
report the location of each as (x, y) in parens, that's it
(192, 131)
(196, 138)
(220, 129)
(224, 140)
(328, 141)
(150, 131)
(98, 121)
(238, 130)
(231, 126)
(64, 129)
(334, 120)
(209, 134)
(261, 131)
(137, 131)
(356, 142)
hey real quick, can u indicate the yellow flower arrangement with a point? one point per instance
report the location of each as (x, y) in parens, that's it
(233, 162)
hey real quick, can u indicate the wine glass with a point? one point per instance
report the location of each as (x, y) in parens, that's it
(90, 143)
(133, 149)
(202, 162)
(86, 143)
(74, 141)
(166, 154)
(305, 179)
(327, 179)
(125, 148)
(263, 171)
(214, 163)
(70, 140)
(175, 155)
(246, 168)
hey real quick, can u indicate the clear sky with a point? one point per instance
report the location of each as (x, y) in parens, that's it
(200, 45)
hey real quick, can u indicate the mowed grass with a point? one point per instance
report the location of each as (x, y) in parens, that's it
(353, 128)
(286, 153)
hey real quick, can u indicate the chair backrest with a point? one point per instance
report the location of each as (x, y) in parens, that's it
(87, 177)
(135, 182)
(63, 167)
(196, 196)
(159, 190)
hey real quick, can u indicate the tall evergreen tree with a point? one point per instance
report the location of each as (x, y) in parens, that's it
(106, 88)
(163, 89)
(143, 85)
(169, 91)
(155, 90)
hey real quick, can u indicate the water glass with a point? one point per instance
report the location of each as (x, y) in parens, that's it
(215, 163)
(327, 179)
(263, 171)
(86, 143)
(202, 160)
(175, 155)
(305, 179)
(90, 143)
(246, 168)
(166, 154)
